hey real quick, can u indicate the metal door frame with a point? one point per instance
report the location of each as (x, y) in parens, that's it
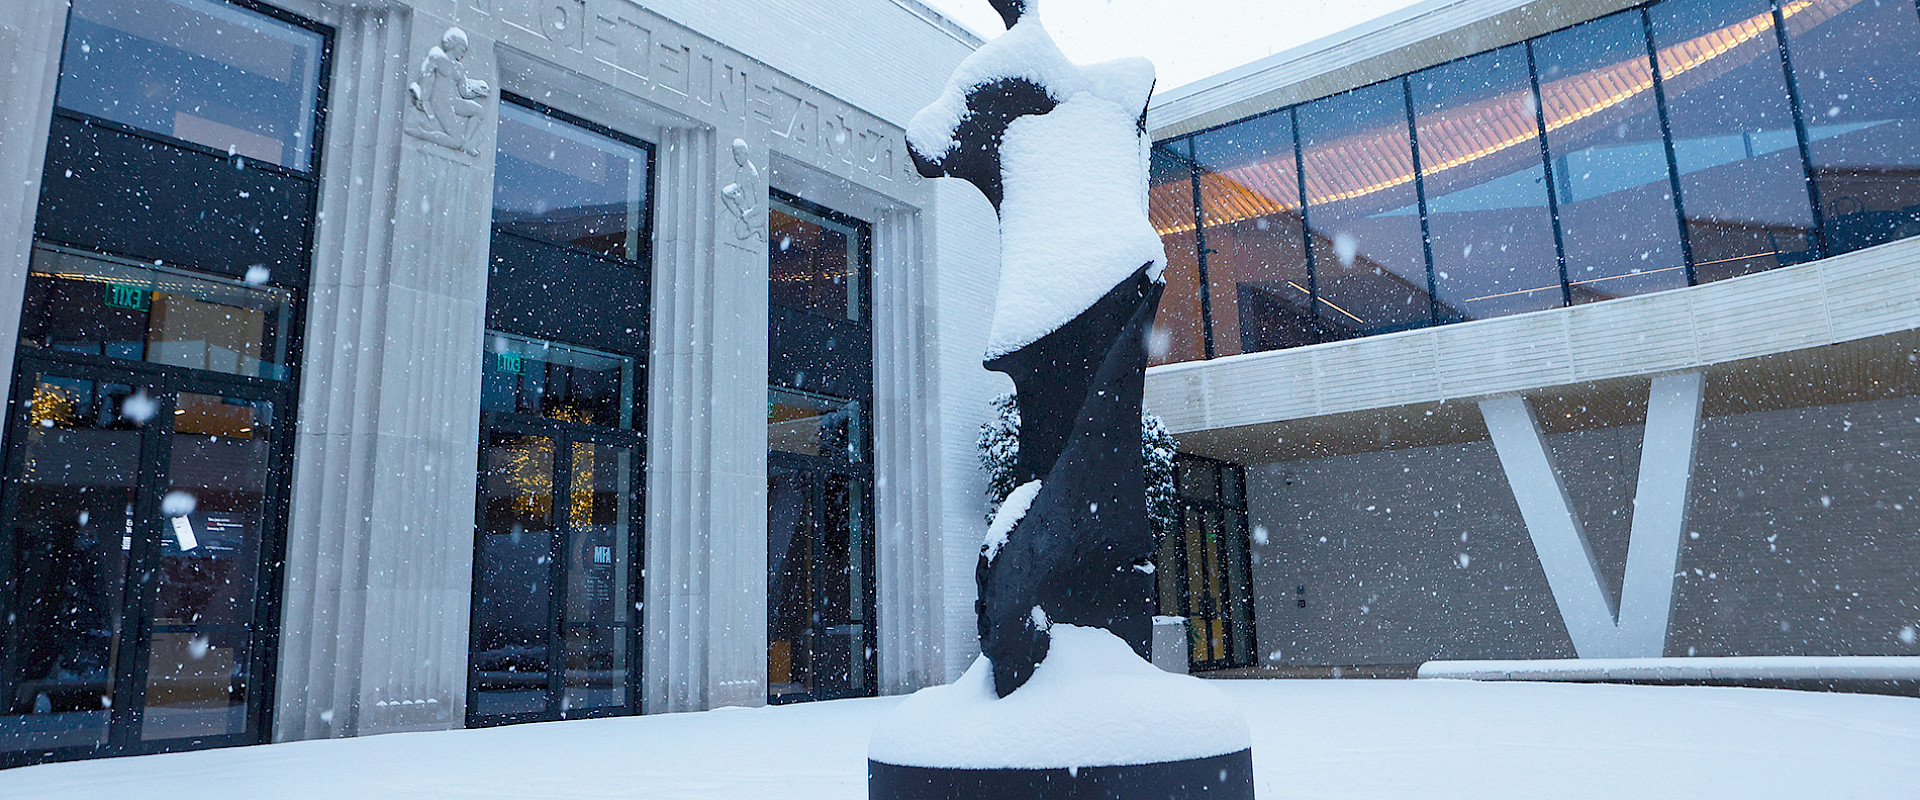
(564, 434)
(139, 592)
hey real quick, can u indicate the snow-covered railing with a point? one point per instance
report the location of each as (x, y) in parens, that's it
(1724, 668)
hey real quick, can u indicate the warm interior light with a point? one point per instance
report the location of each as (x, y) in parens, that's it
(1375, 160)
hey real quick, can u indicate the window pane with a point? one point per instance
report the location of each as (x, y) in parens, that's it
(1363, 214)
(82, 303)
(200, 70)
(1857, 63)
(790, 589)
(1742, 182)
(197, 682)
(561, 183)
(1177, 332)
(1487, 212)
(816, 263)
(1257, 260)
(813, 425)
(1617, 218)
(544, 379)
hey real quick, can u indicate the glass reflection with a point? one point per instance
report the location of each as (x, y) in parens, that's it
(1487, 210)
(85, 303)
(1610, 176)
(545, 379)
(1742, 182)
(204, 71)
(564, 184)
(816, 261)
(1857, 66)
(1363, 215)
(1256, 248)
(814, 425)
(791, 529)
(1179, 332)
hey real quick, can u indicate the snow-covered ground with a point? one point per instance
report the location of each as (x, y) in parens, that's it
(1312, 739)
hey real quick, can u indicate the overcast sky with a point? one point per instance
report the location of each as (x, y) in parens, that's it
(1186, 39)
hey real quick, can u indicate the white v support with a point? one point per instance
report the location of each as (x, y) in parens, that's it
(1639, 628)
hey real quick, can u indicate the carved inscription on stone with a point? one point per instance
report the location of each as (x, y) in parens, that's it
(686, 67)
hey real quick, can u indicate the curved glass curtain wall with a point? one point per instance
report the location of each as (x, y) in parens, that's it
(1658, 147)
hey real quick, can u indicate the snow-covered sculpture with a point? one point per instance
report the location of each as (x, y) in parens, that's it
(1062, 702)
(1061, 152)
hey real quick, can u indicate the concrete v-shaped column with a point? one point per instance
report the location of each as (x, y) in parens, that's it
(1639, 627)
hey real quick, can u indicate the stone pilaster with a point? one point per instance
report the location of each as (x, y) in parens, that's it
(30, 37)
(706, 534)
(380, 557)
(906, 435)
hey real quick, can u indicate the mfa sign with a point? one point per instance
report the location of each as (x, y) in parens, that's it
(689, 68)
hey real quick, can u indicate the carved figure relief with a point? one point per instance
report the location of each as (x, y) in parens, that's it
(447, 99)
(739, 195)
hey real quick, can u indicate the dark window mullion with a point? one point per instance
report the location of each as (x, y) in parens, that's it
(1200, 251)
(1553, 188)
(561, 522)
(1819, 237)
(1420, 197)
(1666, 142)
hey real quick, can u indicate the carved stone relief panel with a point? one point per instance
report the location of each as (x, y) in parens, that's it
(742, 196)
(446, 103)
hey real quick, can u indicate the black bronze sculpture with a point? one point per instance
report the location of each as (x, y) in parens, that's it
(1081, 552)
(1064, 703)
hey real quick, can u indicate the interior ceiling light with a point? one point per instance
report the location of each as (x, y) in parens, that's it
(1380, 159)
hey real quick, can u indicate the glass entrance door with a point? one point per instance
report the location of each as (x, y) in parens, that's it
(138, 512)
(1204, 567)
(819, 550)
(555, 598)
(554, 592)
(819, 606)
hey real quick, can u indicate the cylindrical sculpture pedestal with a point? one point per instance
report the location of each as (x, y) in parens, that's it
(1095, 722)
(1223, 777)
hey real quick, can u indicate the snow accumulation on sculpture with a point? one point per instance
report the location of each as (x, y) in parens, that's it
(1061, 151)
(1065, 575)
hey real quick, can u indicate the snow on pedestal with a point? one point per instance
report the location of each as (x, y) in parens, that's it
(1092, 702)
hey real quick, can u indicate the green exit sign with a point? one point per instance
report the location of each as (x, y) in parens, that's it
(132, 298)
(510, 363)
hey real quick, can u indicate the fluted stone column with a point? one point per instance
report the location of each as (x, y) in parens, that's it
(380, 552)
(706, 608)
(30, 35)
(906, 437)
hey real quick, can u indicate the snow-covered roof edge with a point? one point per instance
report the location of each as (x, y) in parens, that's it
(952, 27)
(1413, 38)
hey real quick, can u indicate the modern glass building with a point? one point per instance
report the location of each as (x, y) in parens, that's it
(1657, 147)
(1556, 329)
